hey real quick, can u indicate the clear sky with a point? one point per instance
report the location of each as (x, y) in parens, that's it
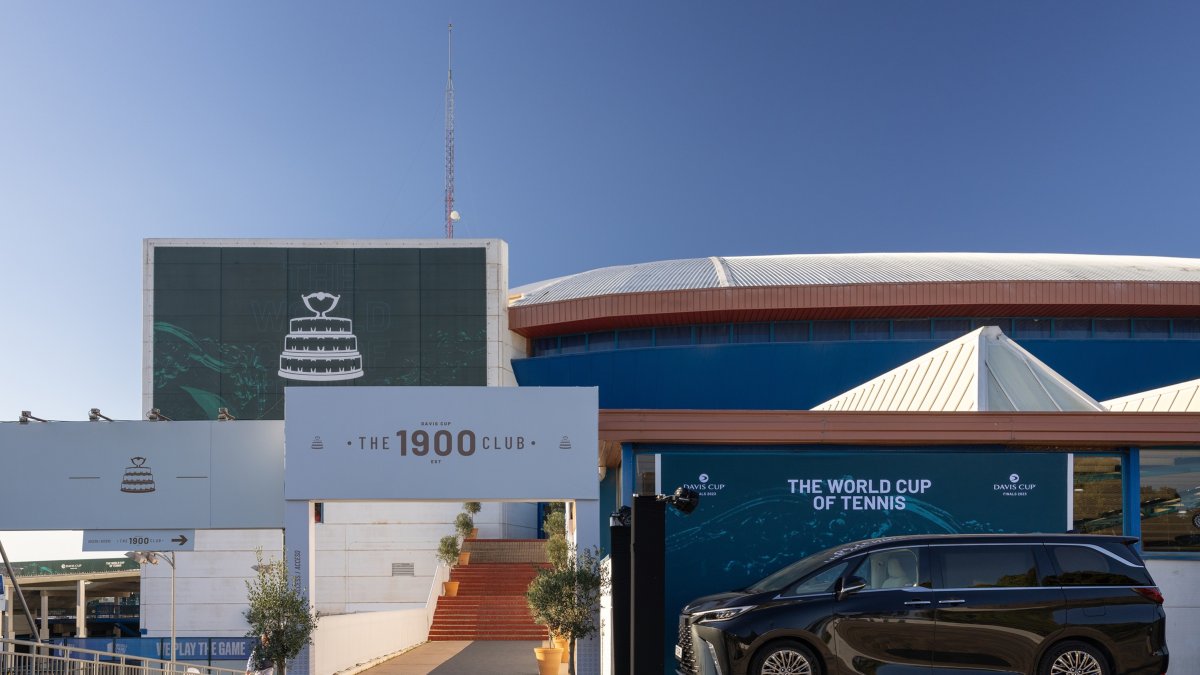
(588, 135)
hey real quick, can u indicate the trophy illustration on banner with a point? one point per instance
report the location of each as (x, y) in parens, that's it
(320, 348)
(138, 479)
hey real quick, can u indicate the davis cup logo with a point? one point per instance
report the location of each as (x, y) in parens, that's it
(703, 478)
(704, 486)
(1014, 487)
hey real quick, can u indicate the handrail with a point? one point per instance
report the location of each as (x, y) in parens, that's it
(18, 657)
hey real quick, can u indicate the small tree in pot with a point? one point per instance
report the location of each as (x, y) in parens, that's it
(566, 599)
(278, 612)
(447, 553)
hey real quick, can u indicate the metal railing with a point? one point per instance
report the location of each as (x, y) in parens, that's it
(21, 657)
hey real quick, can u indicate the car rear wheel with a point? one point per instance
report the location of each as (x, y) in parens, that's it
(1074, 658)
(786, 658)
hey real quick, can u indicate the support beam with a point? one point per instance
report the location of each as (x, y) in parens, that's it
(44, 620)
(81, 609)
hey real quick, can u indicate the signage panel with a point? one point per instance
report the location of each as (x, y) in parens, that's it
(375, 443)
(142, 475)
(761, 511)
(139, 540)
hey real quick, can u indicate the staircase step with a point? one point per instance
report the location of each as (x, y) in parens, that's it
(490, 604)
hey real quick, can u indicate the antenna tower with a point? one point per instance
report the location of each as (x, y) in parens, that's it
(451, 214)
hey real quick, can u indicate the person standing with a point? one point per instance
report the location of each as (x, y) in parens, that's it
(259, 663)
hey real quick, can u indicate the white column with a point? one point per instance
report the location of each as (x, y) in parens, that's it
(45, 620)
(81, 608)
(587, 535)
(299, 541)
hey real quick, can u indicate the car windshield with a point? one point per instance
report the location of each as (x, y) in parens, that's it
(797, 571)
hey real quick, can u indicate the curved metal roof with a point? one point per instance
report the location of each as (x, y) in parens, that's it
(854, 268)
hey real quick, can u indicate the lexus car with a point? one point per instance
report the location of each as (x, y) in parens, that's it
(1041, 604)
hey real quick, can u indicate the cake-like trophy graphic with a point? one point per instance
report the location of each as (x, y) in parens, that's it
(137, 479)
(320, 348)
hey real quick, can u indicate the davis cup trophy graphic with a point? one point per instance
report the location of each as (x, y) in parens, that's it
(320, 348)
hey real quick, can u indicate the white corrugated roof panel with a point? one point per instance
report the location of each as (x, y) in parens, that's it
(855, 268)
(979, 372)
(1182, 397)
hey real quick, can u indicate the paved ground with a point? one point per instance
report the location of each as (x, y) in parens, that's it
(484, 657)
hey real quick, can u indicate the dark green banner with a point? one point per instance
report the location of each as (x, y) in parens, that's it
(760, 511)
(234, 325)
(48, 568)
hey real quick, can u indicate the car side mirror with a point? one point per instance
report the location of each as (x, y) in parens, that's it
(849, 586)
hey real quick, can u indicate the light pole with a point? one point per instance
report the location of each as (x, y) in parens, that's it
(152, 557)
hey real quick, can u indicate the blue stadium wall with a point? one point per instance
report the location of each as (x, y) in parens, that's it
(798, 376)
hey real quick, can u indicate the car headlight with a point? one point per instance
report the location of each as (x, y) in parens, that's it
(722, 614)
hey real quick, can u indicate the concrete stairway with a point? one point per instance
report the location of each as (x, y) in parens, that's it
(491, 595)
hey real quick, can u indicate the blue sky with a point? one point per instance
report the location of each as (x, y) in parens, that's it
(589, 134)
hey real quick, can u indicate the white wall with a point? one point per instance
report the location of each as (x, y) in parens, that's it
(1178, 581)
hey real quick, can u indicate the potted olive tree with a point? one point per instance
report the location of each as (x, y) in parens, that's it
(566, 600)
(472, 509)
(448, 554)
(463, 524)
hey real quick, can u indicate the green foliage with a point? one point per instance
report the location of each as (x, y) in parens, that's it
(279, 611)
(448, 550)
(472, 507)
(566, 600)
(557, 549)
(463, 524)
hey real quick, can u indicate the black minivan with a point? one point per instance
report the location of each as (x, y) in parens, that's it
(1039, 604)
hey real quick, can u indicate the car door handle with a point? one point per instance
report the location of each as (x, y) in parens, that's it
(956, 601)
(917, 602)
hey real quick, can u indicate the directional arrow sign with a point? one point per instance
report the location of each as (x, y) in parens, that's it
(139, 540)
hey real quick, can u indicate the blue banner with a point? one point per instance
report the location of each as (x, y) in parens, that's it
(761, 511)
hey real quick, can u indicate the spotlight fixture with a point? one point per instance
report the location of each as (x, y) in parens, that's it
(224, 416)
(94, 415)
(26, 416)
(684, 500)
(155, 415)
(622, 517)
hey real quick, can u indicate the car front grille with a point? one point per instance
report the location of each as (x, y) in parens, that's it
(687, 660)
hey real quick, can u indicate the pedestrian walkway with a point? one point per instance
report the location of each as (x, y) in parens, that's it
(492, 657)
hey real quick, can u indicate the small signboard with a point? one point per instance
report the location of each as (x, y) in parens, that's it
(139, 540)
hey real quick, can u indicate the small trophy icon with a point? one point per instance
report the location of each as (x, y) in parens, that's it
(138, 479)
(565, 443)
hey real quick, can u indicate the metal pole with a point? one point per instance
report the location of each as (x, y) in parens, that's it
(172, 561)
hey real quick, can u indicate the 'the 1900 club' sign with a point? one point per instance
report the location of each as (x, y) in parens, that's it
(377, 443)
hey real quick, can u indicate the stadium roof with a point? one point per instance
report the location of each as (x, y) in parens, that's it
(983, 371)
(1182, 397)
(854, 268)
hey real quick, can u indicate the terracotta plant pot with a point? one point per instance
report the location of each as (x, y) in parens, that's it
(450, 588)
(565, 646)
(549, 659)
(464, 558)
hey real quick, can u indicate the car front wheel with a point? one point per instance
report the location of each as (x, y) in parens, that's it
(786, 658)
(1074, 658)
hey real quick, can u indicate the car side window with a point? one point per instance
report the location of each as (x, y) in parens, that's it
(1087, 566)
(893, 568)
(819, 582)
(988, 566)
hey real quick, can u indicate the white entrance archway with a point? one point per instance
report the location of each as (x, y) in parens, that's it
(437, 444)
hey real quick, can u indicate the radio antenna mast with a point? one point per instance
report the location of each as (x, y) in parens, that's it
(451, 214)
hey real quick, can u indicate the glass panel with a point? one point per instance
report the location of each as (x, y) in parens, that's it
(1031, 328)
(821, 582)
(1085, 566)
(1112, 328)
(752, 332)
(911, 329)
(1170, 500)
(628, 339)
(1072, 328)
(988, 566)
(1004, 324)
(545, 346)
(1151, 328)
(948, 329)
(717, 334)
(573, 344)
(1097, 495)
(1185, 328)
(893, 568)
(831, 330)
(791, 331)
(670, 336)
(602, 342)
(645, 475)
(872, 330)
